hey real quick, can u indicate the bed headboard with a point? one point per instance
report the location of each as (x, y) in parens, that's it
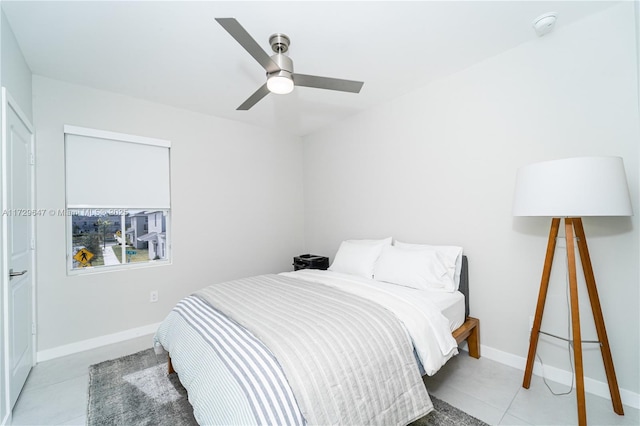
(464, 284)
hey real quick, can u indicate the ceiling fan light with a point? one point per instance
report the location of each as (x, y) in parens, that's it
(280, 84)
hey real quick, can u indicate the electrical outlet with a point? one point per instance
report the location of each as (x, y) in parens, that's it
(153, 296)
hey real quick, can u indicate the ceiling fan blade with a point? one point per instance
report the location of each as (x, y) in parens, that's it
(254, 99)
(327, 83)
(241, 35)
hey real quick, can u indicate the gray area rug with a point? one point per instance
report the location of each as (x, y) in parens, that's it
(136, 390)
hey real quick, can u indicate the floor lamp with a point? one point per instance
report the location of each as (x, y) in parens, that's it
(570, 189)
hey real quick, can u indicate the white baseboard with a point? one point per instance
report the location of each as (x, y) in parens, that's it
(558, 375)
(95, 342)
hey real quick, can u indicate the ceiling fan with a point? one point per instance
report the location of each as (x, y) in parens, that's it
(280, 76)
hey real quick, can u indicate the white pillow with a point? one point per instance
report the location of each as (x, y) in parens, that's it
(450, 255)
(358, 257)
(383, 241)
(411, 267)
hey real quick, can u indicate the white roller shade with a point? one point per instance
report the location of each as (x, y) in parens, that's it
(112, 170)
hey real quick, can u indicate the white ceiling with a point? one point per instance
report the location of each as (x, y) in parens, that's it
(175, 53)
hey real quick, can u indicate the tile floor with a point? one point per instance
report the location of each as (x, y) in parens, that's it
(56, 392)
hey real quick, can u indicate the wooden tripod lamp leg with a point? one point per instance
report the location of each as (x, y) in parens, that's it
(575, 323)
(574, 225)
(598, 318)
(542, 296)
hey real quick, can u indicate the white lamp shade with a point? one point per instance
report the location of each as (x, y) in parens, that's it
(573, 187)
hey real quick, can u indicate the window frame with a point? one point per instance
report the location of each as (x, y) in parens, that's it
(68, 211)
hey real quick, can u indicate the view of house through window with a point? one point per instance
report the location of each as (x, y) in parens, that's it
(111, 237)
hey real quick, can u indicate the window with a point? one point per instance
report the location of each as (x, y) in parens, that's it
(117, 200)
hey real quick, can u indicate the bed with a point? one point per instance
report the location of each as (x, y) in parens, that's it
(316, 347)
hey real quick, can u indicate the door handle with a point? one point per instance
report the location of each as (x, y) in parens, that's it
(16, 274)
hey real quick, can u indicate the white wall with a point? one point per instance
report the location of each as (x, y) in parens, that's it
(237, 209)
(438, 166)
(16, 75)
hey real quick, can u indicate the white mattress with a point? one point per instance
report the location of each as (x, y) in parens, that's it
(451, 305)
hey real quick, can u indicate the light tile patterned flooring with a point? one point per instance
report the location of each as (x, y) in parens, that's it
(56, 392)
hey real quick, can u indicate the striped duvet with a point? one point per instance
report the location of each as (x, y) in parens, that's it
(278, 350)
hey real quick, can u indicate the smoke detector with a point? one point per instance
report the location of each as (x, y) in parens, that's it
(543, 24)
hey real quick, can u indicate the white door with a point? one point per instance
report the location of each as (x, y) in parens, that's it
(19, 220)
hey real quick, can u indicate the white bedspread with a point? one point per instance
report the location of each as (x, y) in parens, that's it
(428, 328)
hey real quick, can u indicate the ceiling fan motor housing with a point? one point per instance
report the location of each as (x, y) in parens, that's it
(284, 62)
(280, 43)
